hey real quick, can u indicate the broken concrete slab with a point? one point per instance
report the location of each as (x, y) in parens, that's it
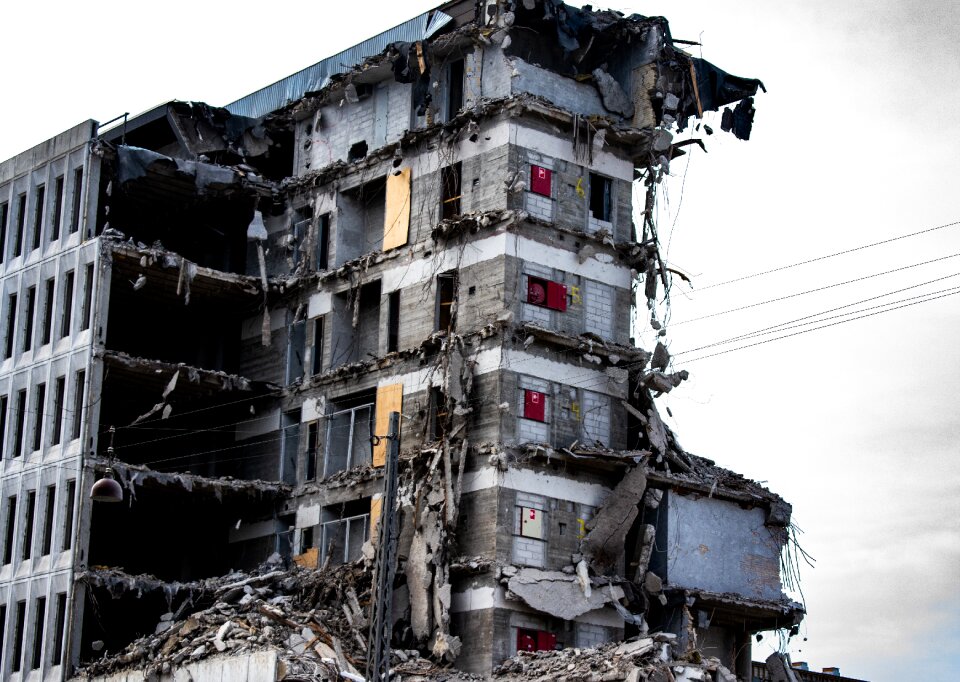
(603, 544)
(558, 594)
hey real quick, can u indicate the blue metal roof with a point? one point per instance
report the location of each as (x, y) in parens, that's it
(315, 77)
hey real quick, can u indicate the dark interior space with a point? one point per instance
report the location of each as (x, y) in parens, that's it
(156, 322)
(207, 433)
(177, 534)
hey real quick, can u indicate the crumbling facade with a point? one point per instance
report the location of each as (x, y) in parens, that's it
(224, 305)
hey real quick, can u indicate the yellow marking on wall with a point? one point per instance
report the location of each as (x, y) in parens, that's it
(575, 295)
(389, 399)
(581, 529)
(396, 217)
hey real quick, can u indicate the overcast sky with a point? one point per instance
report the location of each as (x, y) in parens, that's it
(856, 141)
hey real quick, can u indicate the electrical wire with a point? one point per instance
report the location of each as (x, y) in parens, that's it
(811, 291)
(831, 255)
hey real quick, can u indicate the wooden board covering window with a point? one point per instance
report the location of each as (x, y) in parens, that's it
(396, 217)
(389, 399)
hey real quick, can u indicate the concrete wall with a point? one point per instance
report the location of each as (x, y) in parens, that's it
(260, 666)
(718, 546)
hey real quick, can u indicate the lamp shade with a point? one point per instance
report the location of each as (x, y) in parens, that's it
(106, 489)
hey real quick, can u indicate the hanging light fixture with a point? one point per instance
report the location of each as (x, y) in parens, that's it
(107, 489)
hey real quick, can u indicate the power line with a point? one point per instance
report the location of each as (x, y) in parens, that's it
(811, 291)
(831, 255)
(787, 325)
(832, 324)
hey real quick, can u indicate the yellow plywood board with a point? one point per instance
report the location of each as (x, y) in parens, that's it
(376, 508)
(308, 559)
(389, 399)
(396, 218)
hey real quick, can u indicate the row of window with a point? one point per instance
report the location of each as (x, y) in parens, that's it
(42, 206)
(34, 332)
(26, 512)
(29, 653)
(38, 414)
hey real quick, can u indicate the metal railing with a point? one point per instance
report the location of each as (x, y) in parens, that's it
(342, 540)
(348, 442)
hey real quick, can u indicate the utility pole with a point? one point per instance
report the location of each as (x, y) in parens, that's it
(385, 567)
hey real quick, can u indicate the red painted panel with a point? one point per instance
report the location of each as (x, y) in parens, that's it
(556, 296)
(546, 641)
(540, 180)
(534, 405)
(537, 291)
(526, 640)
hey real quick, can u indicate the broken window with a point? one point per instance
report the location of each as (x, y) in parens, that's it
(21, 422)
(535, 405)
(541, 180)
(343, 531)
(39, 410)
(87, 310)
(11, 325)
(21, 223)
(348, 435)
(454, 88)
(355, 335)
(446, 300)
(290, 446)
(48, 299)
(28, 517)
(28, 321)
(535, 640)
(77, 199)
(57, 208)
(59, 395)
(50, 509)
(313, 438)
(360, 222)
(439, 413)
(39, 617)
(38, 215)
(3, 631)
(11, 524)
(67, 317)
(306, 539)
(4, 217)
(18, 635)
(59, 629)
(546, 294)
(601, 201)
(301, 231)
(68, 516)
(450, 190)
(393, 321)
(531, 523)
(78, 389)
(316, 350)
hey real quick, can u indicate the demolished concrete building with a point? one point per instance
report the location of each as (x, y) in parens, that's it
(222, 306)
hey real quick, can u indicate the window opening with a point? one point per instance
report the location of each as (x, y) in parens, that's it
(450, 187)
(291, 447)
(68, 515)
(78, 389)
(48, 300)
(601, 195)
(77, 199)
(11, 523)
(313, 439)
(28, 517)
(60, 629)
(4, 400)
(18, 635)
(21, 422)
(39, 408)
(57, 208)
(446, 299)
(21, 221)
(358, 150)
(316, 352)
(38, 215)
(50, 510)
(455, 89)
(393, 321)
(28, 321)
(438, 413)
(11, 325)
(87, 310)
(67, 305)
(59, 394)
(4, 216)
(39, 617)
(323, 242)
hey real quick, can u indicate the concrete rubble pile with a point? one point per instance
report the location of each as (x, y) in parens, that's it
(643, 659)
(316, 618)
